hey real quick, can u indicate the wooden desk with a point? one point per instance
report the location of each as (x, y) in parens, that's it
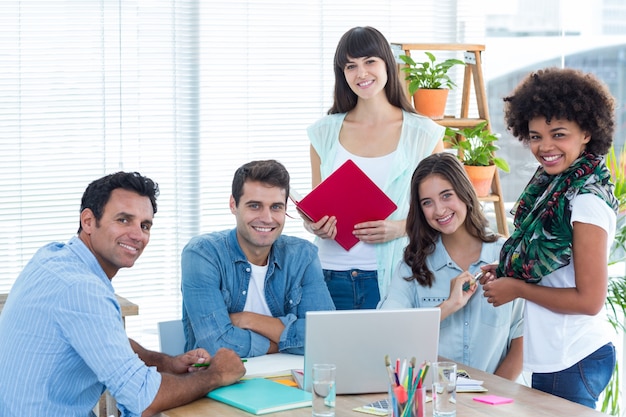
(528, 402)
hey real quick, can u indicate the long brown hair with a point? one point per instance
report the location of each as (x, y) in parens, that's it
(422, 237)
(361, 42)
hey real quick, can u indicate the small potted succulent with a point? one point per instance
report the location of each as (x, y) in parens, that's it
(427, 79)
(476, 149)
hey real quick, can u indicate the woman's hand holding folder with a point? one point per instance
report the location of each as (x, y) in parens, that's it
(325, 228)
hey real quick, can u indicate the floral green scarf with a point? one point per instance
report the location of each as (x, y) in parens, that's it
(542, 240)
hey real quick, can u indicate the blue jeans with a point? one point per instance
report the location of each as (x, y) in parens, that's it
(582, 383)
(354, 289)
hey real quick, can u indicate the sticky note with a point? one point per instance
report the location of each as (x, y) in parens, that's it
(493, 399)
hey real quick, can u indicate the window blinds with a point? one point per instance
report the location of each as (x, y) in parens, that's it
(183, 91)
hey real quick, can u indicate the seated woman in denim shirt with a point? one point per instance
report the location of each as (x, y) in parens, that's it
(448, 243)
(249, 288)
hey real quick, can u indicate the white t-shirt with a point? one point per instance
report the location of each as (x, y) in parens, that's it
(554, 341)
(255, 300)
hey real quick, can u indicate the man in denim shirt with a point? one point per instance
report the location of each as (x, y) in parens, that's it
(249, 288)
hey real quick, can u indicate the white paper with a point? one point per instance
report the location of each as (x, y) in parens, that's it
(272, 365)
(467, 381)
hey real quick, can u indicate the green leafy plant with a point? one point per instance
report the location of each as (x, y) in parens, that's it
(617, 165)
(428, 74)
(478, 148)
(616, 296)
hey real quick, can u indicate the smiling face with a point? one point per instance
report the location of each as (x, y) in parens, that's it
(366, 76)
(260, 219)
(120, 236)
(443, 209)
(556, 145)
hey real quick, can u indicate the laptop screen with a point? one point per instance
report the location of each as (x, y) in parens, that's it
(357, 341)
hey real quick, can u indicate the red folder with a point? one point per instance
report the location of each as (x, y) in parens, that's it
(351, 196)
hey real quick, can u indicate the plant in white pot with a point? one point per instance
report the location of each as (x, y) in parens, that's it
(476, 150)
(429, 83)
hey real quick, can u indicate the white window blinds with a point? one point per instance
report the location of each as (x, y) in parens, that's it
(183, 91)
(89, 88)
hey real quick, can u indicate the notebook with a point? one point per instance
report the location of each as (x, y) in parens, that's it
(351, 196)
(261, 396)
(356, 341)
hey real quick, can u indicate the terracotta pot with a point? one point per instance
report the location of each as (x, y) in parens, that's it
(431, 103)
(481, 178)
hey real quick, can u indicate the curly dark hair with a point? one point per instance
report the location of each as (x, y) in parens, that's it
(361, 42)
(422, 237)
(563, 93)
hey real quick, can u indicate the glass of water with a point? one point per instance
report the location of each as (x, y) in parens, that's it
(323, 390)
(444, 389)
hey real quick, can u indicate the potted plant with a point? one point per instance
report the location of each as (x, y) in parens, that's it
(429, 83)
(476, 149)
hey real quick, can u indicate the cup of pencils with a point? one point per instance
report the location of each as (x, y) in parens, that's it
(407, 394)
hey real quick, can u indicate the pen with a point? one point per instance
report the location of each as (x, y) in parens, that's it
(402, 374)
(206, 364)
(393, 378)
(422, 374)
(477, 277)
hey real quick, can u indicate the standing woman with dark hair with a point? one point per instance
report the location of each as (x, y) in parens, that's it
(556, 259)
(372, 123)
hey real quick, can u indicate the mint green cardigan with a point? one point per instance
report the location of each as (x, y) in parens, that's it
(418, 139)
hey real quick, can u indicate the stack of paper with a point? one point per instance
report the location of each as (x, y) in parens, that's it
(469, 385)
(273, 365)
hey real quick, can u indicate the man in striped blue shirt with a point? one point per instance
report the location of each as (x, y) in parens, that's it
(62, 338)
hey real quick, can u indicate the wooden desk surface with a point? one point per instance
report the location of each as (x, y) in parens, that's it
(528, 402)
(128, 308)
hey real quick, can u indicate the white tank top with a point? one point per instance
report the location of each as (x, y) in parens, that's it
(362, 255)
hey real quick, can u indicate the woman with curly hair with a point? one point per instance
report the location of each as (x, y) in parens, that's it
(556, 259)
(449, 241)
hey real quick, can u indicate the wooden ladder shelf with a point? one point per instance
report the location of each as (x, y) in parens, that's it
(473, 76)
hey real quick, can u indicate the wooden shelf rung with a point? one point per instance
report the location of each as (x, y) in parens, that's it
(490, 198)
(459, 122)
(439, 46)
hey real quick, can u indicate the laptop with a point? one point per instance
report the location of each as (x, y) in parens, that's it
(356, 341)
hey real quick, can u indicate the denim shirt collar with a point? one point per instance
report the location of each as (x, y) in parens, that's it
(274, 260)
(440, 258)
